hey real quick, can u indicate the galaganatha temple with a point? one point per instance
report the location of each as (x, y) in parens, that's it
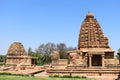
(93, 49)
(93, 57)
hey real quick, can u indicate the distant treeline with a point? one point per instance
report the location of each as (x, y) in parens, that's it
(44, 52)
(2, 59)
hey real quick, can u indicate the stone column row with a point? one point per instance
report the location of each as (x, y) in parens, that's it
(90, 60)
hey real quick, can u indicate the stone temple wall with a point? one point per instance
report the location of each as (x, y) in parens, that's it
(17, 55)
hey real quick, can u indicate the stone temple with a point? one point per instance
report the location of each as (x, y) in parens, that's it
(93, 57)
(17, 55)
(93, 49)
(18, 62)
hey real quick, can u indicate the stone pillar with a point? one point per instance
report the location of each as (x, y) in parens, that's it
(103, 64)
(86, 58)
(90, 60)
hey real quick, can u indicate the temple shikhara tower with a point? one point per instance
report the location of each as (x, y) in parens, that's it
(94, 56)
(91, 35)
(93, 49)
(17, 55)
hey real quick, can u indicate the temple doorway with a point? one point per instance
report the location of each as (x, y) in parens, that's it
(96, 60)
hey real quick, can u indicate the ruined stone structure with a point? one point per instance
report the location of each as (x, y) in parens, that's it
(56, 61)
(17, 55)
(93, 49)
(94, 57)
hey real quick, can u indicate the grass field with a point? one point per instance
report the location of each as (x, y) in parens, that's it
(1, 63)
(7, 77)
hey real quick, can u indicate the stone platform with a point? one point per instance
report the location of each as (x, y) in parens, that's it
(26, 70)
(84, 72)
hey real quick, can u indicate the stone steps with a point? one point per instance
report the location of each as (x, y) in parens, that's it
(86, 72)
(42, 74)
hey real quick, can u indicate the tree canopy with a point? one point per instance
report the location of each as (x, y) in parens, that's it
(44, 52)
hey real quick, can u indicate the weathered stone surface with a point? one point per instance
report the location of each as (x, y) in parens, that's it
(17, 56)
(93, 49)
(55, 55)
(91, 35)
(56, 61)
(63, 62)
(16, 49)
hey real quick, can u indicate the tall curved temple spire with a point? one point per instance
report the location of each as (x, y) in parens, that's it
(93, 49)
(91, 35)
(93, 57)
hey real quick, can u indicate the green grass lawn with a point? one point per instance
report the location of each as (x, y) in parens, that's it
(1, 63)
(8, 77)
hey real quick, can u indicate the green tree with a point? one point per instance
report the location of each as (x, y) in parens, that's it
(30, 51)
(71, 48)
(46, 50)
(62, 50)
(38, 58)
(118, 54)
(2, 59)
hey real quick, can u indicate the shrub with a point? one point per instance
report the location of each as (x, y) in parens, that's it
(32, 75)
(84, 77)
(14, 74)
(50, 76)
(5, 73)
(76, 77)
(66, 76)
(56, 76)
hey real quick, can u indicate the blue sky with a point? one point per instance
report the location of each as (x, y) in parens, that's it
(33, 22)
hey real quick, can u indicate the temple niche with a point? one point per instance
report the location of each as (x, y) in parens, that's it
(93, 49)
(17, 55)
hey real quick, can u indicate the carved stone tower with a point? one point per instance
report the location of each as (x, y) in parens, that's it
(93, 49)
(91, 35)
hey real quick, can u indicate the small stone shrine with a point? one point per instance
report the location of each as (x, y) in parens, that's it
(17, 55)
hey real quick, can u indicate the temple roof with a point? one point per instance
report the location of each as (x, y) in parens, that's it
(92, 50)
(16, 49)
(89, 15)
(91, 35)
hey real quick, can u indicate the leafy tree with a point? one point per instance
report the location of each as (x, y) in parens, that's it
(62, 50)
(118, 55)
(30, 51)
(2, 58)
(38, 58)
(46, 50)
(42, 59)
(71, 48)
